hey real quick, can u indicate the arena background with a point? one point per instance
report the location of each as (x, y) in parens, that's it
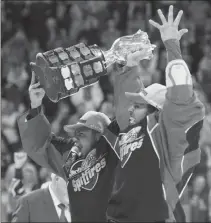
(29, 27)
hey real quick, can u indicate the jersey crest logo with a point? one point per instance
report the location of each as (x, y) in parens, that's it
(84, 173)
(128, 143)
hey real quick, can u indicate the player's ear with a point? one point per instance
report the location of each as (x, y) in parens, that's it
(97, 136)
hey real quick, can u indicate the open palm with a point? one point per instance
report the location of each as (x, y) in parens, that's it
(169, 29)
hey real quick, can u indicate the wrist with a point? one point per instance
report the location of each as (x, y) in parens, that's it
(173, 49)
(172, 41)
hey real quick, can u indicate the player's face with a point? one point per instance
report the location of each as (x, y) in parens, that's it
(87, 138)
(137, 112)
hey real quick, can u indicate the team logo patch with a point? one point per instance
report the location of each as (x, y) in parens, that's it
(129, 142)
(84, 174)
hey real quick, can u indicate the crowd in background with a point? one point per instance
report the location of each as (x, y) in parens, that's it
(29, 27)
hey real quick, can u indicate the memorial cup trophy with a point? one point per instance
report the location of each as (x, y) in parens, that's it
(63, 71)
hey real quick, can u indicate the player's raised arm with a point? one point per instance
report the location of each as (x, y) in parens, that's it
(35, 132)
(178, 77)
(182, 114)
(127, 79)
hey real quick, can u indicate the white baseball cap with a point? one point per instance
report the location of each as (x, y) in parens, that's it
(93, 120)
(154, 95)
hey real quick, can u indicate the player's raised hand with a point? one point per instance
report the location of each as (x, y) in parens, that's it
(36, 93)
(134, 59)
(169, 28)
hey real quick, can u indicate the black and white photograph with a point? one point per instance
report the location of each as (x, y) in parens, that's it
(106, 111)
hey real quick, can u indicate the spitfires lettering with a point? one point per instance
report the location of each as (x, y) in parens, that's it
(87, 179)
(130, 142)
(130, 136)
(85, 173)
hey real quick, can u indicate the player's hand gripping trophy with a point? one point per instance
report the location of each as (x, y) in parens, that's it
(62, 72)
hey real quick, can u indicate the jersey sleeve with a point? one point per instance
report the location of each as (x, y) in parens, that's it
(39, 143)
(128, 80)
(182, 110)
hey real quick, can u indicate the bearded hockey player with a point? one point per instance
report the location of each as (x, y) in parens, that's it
(159, 149)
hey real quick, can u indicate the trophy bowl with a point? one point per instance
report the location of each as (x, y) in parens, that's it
(62, 72)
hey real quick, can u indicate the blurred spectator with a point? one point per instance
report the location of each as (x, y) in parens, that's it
(91, 96)
(90, 31)
(136, 22)
(76, 22)
(108, 109)
(205, 139)
(9, 117)
(209, 193)
(15, 51)
(3, 212)
(6, 28)
(35, 20)
(62, 114)
(207, 30)
(17, 78)
(62, 39)
(207, 150)
(197, 202)
(80, 108)
(29, 176)
(198, 11)
(204, 71)
(34, 49)
(49, 204)
(99, 9)
(52, 31)
(44, 175)
(119, 11)
(14, 10)
(6, 158)
(62, 15)
(110, 34)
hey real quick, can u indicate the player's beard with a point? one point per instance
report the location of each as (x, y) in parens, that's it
(132, 121)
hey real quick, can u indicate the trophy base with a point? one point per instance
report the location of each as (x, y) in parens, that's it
(46, 82)
(61, 76)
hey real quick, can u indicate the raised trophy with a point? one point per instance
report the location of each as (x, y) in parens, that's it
(63, 71)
